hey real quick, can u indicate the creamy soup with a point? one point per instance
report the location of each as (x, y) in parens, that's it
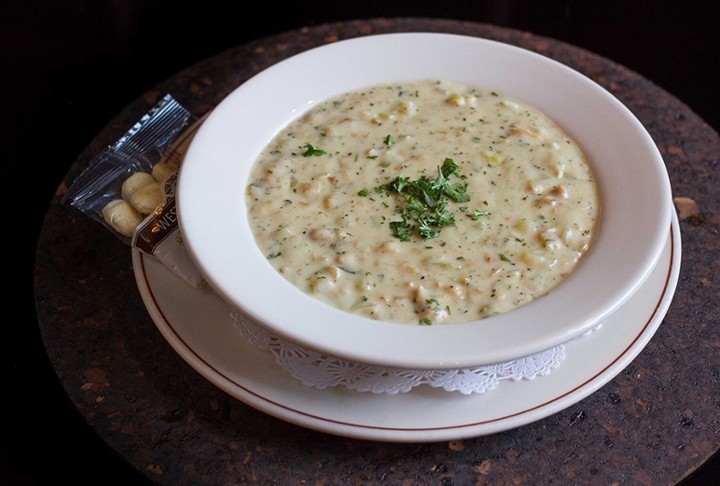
(425, 202)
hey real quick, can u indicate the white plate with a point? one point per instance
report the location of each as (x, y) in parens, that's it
(631, 176)
(198, 326)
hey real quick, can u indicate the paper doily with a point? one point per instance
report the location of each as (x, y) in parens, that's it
(320, 371)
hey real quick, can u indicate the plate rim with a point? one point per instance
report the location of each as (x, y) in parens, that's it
(234, 387)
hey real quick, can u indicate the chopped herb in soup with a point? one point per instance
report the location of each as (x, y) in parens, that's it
(424, 202)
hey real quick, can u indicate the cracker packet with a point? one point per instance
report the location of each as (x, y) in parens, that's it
(130, 187)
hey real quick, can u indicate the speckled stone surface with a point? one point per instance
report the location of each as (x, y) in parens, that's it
(654, 423)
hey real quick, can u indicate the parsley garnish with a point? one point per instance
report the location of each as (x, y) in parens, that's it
(312, 151)
(425, 211)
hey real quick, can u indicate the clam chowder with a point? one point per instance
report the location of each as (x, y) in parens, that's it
(425, 202)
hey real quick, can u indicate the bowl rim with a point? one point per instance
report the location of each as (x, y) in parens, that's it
(630, 234)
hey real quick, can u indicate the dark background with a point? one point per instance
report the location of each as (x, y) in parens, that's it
(68, 67)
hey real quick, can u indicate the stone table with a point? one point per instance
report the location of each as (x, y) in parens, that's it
(654, 423)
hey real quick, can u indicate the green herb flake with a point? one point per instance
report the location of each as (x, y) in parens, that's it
(312, 151)
(477, 214)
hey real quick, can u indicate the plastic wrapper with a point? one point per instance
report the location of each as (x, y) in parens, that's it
(130, 187)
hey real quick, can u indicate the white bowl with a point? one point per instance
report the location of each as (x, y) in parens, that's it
(632, 181)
